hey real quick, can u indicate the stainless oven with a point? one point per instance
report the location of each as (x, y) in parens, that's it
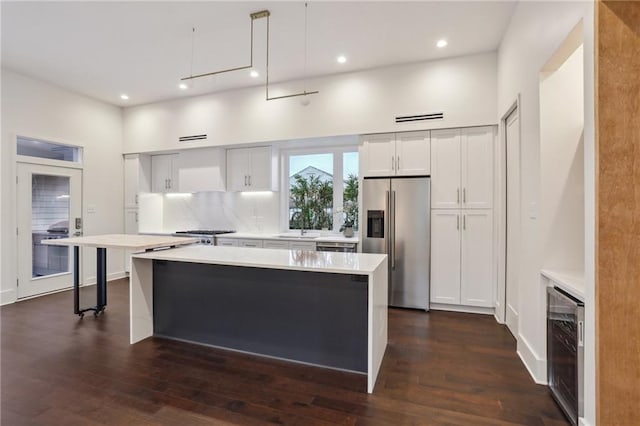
(565, 352)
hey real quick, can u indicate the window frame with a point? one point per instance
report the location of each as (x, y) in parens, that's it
(338, 152)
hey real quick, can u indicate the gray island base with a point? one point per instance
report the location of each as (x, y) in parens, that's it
(320, 308)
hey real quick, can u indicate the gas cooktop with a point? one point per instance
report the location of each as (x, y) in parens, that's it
(204, 232)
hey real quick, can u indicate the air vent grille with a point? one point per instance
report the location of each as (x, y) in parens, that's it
(192, 138)
(419, 117)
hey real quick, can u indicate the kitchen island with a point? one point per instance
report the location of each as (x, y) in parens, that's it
(320, 308)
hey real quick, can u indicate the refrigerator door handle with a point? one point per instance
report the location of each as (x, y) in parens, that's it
(388, 222)
(393, 233)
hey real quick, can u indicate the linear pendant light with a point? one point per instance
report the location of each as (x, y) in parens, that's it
(254, 16)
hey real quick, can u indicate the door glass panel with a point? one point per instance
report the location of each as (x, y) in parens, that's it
(49, 220)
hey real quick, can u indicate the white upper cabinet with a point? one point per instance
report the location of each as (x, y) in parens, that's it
(413, 154)
(477, 167)
(462, 168)
(396, 154)
(164, 173)
(251, 169)
(201, 169)
(445, 169)
(136, 179)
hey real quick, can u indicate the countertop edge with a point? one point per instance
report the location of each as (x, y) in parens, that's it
(570, 281)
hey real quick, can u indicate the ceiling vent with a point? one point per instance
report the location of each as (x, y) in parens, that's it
(420, 117)
(192, 138)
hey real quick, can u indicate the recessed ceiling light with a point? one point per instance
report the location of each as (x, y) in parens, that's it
(254, 73)
(341, 59)
(183, 86)
(441, 43)
(124, 97)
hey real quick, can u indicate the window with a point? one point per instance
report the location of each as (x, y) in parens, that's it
(322, 188)
(47, 150)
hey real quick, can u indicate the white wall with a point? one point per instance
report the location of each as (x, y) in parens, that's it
(464, 88)
(536, 30)
(36, 109)
(562, 166)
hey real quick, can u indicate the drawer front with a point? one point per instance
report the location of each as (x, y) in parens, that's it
(250, 243)
(284, 245)
(303, 246)
(226, 242)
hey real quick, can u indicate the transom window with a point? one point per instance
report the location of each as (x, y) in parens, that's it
(322, 188)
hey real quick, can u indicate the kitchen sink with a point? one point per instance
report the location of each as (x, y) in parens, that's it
(297, 236)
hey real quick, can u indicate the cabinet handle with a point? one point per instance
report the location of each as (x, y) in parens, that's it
(170, 184)
(166, 184)
(398, 163)
(464, 195)
(136, 198)
(458, 196)
(464, 221)
(393, 164)
(458, 222)
(136, 217)
(245, 180)
(249, 180)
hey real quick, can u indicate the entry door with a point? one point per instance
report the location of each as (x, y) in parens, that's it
(513, 221)
(49, 206)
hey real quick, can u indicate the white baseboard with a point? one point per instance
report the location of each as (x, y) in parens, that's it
(8, 296)
(583, 422)
(461, 308)
(536, 366)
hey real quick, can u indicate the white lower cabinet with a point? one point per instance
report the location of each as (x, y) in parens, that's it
(274, 244)
(250, 243)
(227, 242)
(302, 245)
(462, 257)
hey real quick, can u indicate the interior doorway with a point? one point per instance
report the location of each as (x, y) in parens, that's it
(49, 206)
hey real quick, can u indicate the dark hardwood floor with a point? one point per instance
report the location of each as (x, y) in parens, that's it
(440, 369)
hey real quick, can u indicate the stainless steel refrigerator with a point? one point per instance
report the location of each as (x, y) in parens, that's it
(396, 219)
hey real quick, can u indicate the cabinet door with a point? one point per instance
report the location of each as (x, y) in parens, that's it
(445, 169)
(413, 154)
(237, 169)
(477, 258)
(250, 243)
(131, 168)
(275, 244)
(227, 242)
(163, 176)
(260, 166)
(379, 155)
(130, 227)
(477, 167)
(445, 256)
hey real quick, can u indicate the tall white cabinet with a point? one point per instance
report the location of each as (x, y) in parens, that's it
(462, 227)
(136, 179)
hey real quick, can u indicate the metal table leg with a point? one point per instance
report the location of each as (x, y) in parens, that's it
(101, 285)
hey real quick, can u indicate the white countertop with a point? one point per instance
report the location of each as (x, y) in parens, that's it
(570, 281)
(333, 238)
(341, 263)
(123, 241)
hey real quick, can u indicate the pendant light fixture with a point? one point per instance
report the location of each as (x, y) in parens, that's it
(254, 16)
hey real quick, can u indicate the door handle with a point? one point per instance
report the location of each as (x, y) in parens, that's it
(393, 242)
(388, 222)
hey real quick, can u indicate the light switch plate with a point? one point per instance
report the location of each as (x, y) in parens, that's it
(533, 210)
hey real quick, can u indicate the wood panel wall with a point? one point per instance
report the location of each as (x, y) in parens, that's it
(618, 212)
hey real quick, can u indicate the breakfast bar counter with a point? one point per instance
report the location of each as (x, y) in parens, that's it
(320, 308)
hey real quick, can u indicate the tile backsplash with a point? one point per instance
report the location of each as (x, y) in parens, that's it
(240, 211)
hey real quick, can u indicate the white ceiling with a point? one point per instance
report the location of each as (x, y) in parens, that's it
(103, 49)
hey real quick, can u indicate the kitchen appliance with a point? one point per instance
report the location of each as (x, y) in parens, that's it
(206, 235)
(396, 219)
(336, 247)
(565, 352)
